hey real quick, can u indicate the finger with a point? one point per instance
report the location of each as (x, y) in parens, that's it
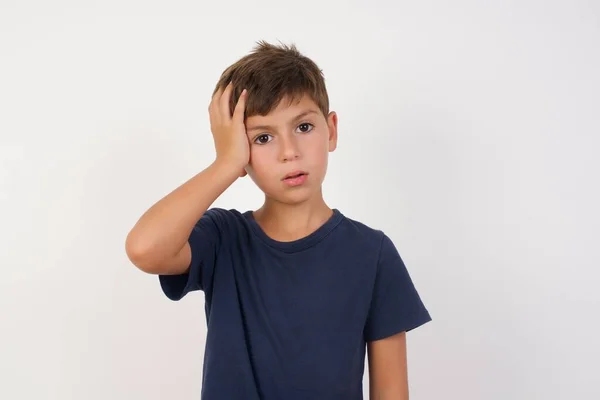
(212, 115)
(240, 107)
(217, 95)
(213, 112)
(214, 101)
(222, 88)
(224, 102)
(225, 88)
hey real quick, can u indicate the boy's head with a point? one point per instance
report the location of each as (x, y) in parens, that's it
(287, 118)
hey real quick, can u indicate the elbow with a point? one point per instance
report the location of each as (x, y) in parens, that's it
(140, 257)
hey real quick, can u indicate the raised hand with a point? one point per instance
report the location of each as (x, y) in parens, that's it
(229, 131)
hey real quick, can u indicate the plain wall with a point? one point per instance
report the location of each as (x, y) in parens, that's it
(468, 131)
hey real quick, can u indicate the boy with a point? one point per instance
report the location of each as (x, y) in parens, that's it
(295, 292)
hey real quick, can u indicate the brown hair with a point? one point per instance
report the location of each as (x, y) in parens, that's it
(270, 73)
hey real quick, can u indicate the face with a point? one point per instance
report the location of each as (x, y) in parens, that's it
(296, 137)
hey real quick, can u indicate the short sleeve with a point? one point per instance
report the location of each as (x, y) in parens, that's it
(204, 240)
(396, 305)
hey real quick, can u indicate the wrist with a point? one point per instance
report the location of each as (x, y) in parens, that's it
(228, 166)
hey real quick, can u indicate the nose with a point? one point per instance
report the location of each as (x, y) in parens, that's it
(289, 149)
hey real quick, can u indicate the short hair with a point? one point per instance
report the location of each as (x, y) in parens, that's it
(271, 73)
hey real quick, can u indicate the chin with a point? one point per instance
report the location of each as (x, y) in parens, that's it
(294, 200)
(290, 197)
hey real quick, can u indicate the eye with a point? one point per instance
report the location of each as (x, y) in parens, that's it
(307, 127)
(262, 139)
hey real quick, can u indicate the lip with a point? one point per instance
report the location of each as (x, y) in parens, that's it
(294, 173)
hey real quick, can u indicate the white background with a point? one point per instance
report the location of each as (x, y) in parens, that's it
(469, 132)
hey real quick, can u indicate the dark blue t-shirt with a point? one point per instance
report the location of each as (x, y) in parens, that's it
(290, 320)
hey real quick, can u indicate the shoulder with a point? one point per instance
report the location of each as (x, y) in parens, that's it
(362, 236)
(222, 219)
(223, 215)
(369, 237)
(361, 231)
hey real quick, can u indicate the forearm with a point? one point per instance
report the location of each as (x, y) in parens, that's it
(389, 395)
(163, 230)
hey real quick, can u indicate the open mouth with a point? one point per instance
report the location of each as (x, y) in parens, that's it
(295, 174)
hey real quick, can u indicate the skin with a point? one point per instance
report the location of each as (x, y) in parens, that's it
(291, 137)
(388, 377)
(300, 137)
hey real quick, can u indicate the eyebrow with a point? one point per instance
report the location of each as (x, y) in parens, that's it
(296, 118)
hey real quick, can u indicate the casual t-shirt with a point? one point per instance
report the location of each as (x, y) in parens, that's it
(290, 320)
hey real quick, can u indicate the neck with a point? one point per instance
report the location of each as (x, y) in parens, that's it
(288, 222)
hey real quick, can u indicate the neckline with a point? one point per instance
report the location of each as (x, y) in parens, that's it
(298, 244)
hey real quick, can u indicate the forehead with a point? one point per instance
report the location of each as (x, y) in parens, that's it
(284, 111)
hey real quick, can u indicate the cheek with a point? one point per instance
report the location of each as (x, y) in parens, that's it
(317, 150)
(260, 160)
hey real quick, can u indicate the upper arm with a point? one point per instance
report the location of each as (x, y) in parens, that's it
(180, 263)
(388, 375)
(396, 305)
(396, 308)
(177, 264)
(193, 267)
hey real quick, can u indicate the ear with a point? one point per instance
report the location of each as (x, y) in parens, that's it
(332, 125)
